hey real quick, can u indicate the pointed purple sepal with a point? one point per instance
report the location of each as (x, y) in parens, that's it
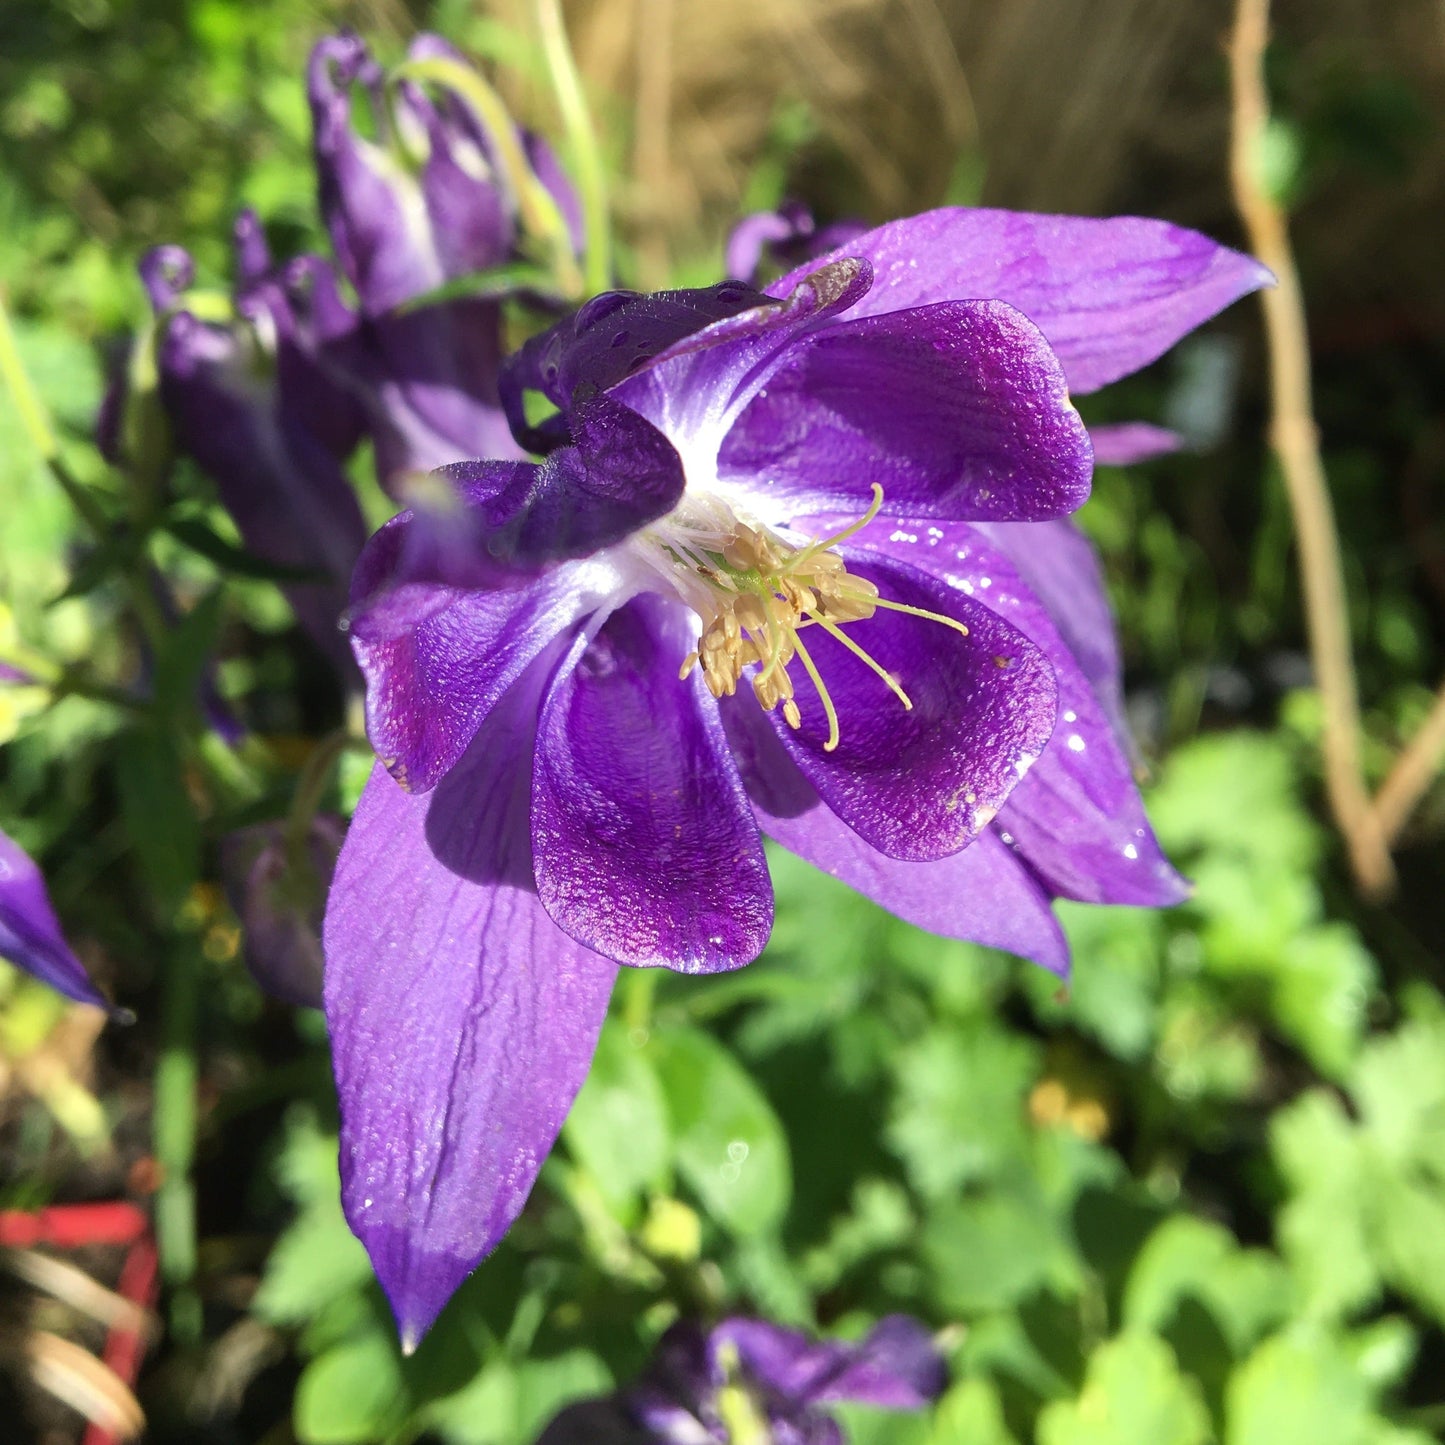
(30, 935)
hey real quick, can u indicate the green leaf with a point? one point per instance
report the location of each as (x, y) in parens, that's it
(990, 1250)
(1297, 1387)
(970, 1414)
(350, 1394)
(1400, 1084)
(1321, 992)
(317, 1259)
(509, 1403)
(188, 646)
(1321, 1228)
(1133, 1395)
(1236, 792)
(1246, 1291)
(206, 542)
(158, 815)
(1114, 996)
(618, 1128)
(728, 1143)
(959, 1115)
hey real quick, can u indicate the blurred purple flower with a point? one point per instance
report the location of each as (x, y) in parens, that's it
(752, 1380)
(261, 402)
(423, 203)
(844, 497)
(279, 899)
(30, 934)
(788, 236)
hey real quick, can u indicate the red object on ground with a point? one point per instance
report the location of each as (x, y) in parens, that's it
(125, 1348)
(72, 1226)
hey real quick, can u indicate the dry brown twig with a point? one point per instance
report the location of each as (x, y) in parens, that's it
(1368, 825)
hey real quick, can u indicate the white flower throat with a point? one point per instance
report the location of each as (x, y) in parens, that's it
(754, 593)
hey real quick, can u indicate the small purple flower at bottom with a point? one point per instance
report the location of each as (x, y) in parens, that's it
(748, 1382)
(30, 935)
(795, 563)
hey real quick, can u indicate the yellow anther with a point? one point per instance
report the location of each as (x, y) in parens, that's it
(755, 593)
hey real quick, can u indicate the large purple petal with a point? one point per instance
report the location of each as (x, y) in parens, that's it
(619, 474)
(920, 784)
(30, 934)
(1057, 563)
(646, 849)
(611, 336)
(680, 358)
(437, 658)
(957, 410)
(1077, 818)
(696, 387)
(984, 894)
(1110, 295)
(462, 1020)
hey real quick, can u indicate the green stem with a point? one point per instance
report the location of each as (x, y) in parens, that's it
(582, 135)
(174, 1135)
(638, 985)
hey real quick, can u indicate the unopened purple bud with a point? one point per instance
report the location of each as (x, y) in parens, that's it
(279, 894)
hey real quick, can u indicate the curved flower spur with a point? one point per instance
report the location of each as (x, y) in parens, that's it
(790, 564)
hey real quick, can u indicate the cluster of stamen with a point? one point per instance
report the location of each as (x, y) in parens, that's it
(754, 594)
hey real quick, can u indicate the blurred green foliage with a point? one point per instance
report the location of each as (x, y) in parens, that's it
(1195, 1194)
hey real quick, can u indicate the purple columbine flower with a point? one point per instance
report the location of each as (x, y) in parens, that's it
(257, 393)
(30, 935)
(794, 564)
(749, 1382)
(428, 199)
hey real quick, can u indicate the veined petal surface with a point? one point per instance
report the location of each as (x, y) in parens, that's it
(984, 893)
(922, 783)
(462, 1020)
(1077, 818)
(1110, 295)
(957, 410)
(645, 847)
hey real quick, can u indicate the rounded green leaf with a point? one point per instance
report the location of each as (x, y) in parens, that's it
(351, 1393)
(618, 1128)
(1133, 1395)
(728, 1143)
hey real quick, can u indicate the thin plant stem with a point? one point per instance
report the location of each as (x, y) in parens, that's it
(582, 134)
(1296, 444)
(1413, 772)
(174, 1134)
(651, 127)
